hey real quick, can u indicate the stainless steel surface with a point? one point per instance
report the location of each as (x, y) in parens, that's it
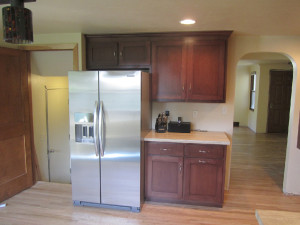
(120, 93)
(96, 143)
(101, 129)
(121, 119)
(85, 170)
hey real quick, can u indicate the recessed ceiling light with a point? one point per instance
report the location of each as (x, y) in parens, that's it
(187, 21)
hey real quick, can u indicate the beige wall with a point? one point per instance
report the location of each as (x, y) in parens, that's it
(242, 88)
(39, 116)
(68, 38)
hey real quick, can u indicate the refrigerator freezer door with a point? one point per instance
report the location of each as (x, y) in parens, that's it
(85, 164)
(120, 92)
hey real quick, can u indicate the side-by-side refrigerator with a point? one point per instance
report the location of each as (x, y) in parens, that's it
(109, 115)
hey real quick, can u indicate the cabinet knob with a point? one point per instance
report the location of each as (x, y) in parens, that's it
(115, 53)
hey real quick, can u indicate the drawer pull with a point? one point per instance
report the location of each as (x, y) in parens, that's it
(202, 151)
(164, 149)
(180, 167)
(202, 161)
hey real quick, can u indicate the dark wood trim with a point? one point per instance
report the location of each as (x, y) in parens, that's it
(198, 34)
(36, 175)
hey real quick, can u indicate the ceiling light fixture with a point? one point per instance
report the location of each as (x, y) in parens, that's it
(17, 22)
(187, 21)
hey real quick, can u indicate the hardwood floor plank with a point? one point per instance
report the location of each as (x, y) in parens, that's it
(256, 183)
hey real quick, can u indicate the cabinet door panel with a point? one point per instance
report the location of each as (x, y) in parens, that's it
(134, 53)
(101, 53)
(203, 180)
(164, 177)
(206, 80)
(168, 70)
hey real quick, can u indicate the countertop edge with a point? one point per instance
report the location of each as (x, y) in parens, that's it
(188, 141)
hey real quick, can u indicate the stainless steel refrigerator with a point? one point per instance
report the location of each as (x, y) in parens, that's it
(109, 115)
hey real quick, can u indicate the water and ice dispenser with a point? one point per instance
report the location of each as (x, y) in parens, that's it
(84, 127)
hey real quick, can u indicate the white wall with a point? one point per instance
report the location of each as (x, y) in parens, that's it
(242, 98)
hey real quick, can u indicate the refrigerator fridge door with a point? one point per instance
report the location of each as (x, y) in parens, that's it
(83, 109)
(120, 94)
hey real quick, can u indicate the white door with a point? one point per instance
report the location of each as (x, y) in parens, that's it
(58, 135)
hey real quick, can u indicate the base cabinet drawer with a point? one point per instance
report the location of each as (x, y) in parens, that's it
(182, 174)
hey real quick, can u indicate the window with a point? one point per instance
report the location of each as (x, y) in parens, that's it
(252, 90)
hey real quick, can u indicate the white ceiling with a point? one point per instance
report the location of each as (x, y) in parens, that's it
(245, 17)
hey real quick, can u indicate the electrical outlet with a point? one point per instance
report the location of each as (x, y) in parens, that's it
(195, 114)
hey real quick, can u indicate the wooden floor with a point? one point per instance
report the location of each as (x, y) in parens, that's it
(256, 183)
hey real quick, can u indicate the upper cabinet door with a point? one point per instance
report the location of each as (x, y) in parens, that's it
(101, 53)
(134, 53)
(168, 70)
(206, 71)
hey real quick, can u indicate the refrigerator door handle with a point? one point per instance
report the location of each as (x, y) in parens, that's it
(101, 128)
(95, 129)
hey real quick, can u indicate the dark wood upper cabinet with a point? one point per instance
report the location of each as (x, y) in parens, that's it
(206, 71)
(194, 70)
(185, 66)
(134, 53)
(168, 70)
(115, 53)
(101, 53)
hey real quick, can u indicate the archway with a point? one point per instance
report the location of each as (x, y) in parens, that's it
(256, 117)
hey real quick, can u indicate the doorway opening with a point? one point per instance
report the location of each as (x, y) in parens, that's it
(50, 66)
(265, 122)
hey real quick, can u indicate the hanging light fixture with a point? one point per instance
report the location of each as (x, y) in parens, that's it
(17, 22)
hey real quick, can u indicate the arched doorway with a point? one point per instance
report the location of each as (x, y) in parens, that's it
(253, 95)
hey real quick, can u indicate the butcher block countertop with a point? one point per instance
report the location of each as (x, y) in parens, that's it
(195, 137)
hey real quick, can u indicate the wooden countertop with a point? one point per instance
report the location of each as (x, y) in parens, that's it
(272, 217)
(196, 137)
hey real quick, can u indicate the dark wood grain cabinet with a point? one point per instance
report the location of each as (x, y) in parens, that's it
(185, 173)
(109, 53)
(164, 171)
(189, 70)
(185, 66)
(204, 170)
(168, 70)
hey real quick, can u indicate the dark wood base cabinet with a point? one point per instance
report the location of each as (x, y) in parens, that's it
(185, 173)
